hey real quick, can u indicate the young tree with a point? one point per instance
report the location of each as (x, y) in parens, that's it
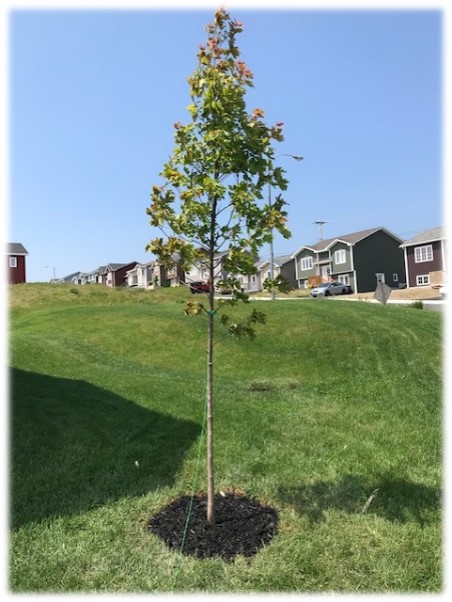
(211, 200)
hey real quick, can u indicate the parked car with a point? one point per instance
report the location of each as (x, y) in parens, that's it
(199, 287)
(331, 288)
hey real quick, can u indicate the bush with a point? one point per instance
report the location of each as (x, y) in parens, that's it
(417, 305)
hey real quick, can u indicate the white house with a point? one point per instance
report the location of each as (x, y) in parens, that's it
(199, 271)
(143, 275)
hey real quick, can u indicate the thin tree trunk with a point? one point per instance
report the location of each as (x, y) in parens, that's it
(210, 332)
(210, 441)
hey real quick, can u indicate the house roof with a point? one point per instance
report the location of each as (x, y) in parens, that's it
(137, 266)
(426, 236)
(112, 267)
(351, 239)
(280, 260)
(16, 248)
(68, 276)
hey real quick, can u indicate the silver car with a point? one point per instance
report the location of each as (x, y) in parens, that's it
(331, 288)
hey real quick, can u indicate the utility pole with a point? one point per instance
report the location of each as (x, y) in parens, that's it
(272, 259)
(320, 223)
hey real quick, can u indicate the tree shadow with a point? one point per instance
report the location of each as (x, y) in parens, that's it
(395, 499)
(75, 446)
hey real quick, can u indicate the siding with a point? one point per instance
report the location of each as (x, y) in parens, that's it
(288, 272)
(16, 275)
(421, 269)
(303, 274)
(341, 268)
(378, 253)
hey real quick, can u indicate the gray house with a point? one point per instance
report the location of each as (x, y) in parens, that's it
(282, 264)
(360, 259)
(74, 278)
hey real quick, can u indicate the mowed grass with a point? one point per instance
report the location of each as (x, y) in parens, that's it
(333, 402)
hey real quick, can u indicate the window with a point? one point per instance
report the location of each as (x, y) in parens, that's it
(422, 254)
(339, 256)
(395, 277)
(344, 279)
(13, 262)
(422, 280)
(306, 263)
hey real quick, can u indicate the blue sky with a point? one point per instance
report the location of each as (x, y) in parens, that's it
(93, 95)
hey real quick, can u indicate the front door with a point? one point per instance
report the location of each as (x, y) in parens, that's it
(325, 272)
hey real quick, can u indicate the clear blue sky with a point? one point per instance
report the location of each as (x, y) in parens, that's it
(94, 94)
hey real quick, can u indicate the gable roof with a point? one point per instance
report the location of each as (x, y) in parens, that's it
(16, 248)
(69, 276)
(112, 267)
(351, 239)
(279, 261)
(137, 266)
(430, 235)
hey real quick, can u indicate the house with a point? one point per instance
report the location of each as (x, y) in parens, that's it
(15, 258)
(425, 253)
(172, 275)
(199, 272)
(144, 275)
(361, 259)
(251, 283)
(74, 278)
(114, 274)
(284, 265)
(93, 277)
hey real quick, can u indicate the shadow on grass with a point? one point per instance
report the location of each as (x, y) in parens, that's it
(75, 446)
(395, 499)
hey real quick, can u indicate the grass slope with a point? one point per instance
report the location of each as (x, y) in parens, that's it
(331, 402)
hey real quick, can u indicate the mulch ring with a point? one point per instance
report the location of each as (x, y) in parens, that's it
(242, 526)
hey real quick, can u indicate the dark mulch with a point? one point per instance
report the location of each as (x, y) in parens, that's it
(242, 526)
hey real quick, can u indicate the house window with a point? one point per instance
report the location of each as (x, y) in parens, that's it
(422, 280)
(306, 263)
(395, 277)
(339, 256)
(344, 279)
(13, 262)
(422, 254)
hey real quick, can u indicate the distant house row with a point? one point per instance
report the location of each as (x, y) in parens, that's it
(360, 259)
(143, 275)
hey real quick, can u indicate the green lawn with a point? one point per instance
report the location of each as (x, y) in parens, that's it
(332, 401)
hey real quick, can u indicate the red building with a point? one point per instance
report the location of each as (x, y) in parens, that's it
(425, 253)
(15, 262)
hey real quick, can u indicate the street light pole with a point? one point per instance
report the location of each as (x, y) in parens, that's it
(50, 267)
(272, 273)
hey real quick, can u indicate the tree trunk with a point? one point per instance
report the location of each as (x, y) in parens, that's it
(210, 332)
(210, 458)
